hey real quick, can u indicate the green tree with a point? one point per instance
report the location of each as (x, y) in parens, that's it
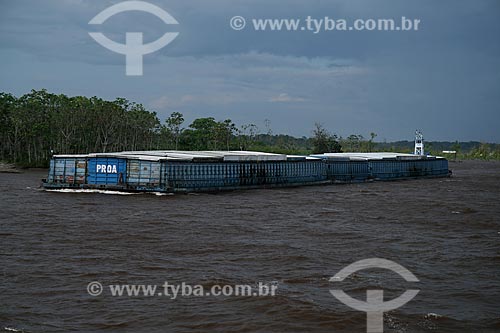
(174, 123)
(323, 141)
(201, 134)
(224, 132)
(247, 135)
(371, 145)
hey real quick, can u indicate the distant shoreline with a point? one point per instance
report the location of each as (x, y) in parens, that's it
(8, 168)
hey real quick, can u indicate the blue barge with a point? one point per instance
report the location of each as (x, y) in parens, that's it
(204, 171)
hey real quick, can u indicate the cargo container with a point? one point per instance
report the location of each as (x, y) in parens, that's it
(201, 171)
(354, 167)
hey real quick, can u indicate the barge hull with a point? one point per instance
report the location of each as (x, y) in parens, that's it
(184, 172)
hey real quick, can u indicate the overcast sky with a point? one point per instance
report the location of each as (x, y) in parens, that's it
(443, 79)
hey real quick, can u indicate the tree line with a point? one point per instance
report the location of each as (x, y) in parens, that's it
(39, 124)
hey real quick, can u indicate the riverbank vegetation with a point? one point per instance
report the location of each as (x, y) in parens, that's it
(38, 124)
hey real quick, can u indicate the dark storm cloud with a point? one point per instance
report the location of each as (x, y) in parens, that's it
(443, 78)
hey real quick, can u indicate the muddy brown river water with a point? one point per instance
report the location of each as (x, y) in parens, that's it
(445, 231)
